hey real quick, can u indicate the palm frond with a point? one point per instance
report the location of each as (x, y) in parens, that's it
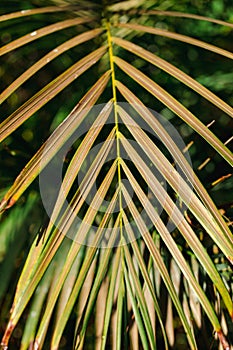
(105, 222)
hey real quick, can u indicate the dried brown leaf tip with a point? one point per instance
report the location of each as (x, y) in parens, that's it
(223, 340)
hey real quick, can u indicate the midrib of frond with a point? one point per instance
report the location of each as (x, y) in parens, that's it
(117, 133)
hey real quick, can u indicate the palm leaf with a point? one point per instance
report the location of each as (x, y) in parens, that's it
(190, 15)
(180, 37)
(175, 106)
(120, 217)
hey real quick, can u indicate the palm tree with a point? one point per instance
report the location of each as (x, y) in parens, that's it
(132, 252)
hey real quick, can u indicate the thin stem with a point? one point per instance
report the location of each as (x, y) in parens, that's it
(111, 60)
